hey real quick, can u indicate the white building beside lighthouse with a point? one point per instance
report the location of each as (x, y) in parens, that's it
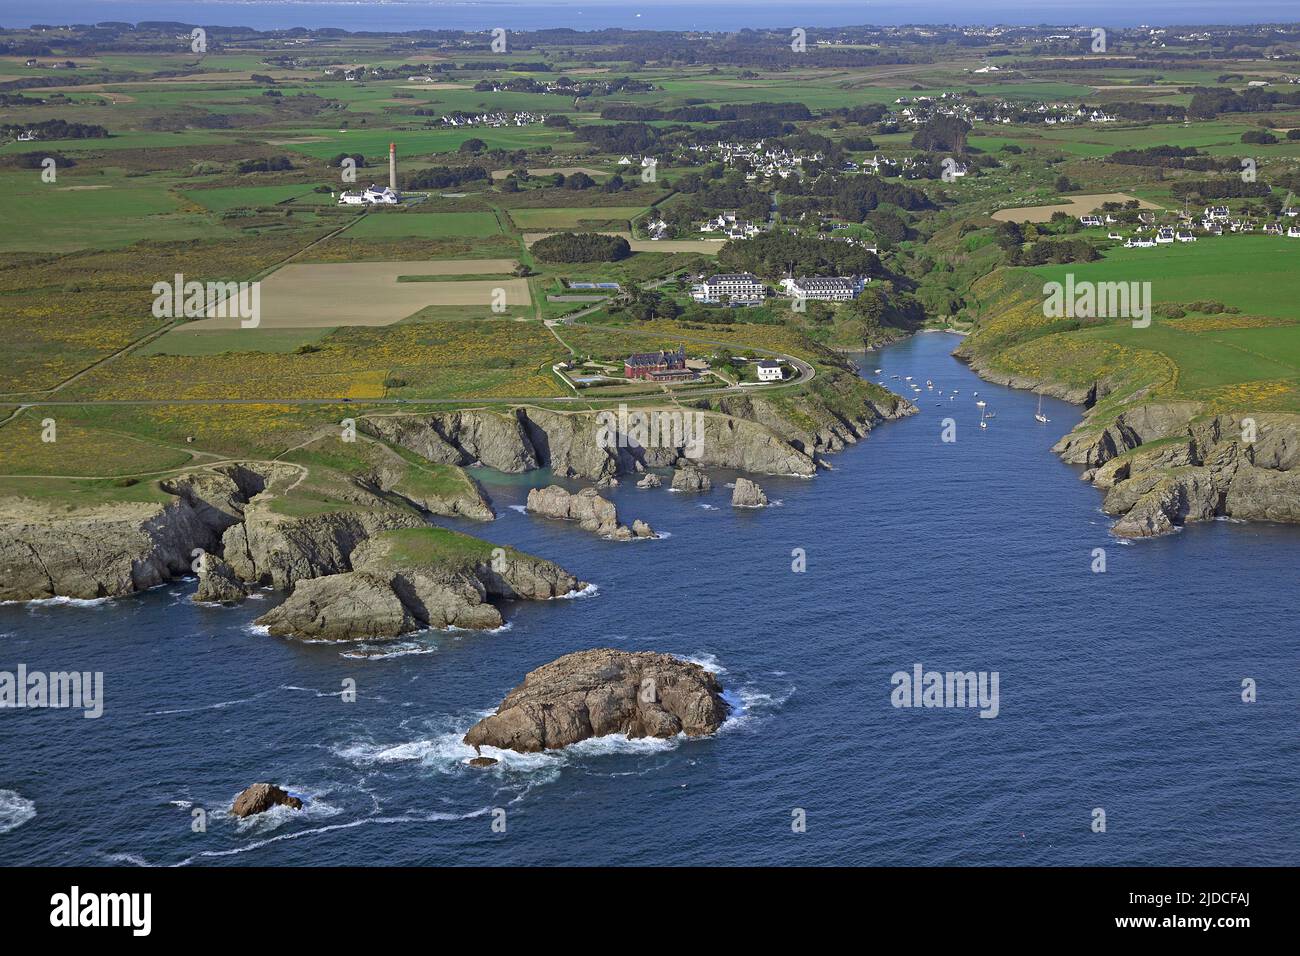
(377, 195)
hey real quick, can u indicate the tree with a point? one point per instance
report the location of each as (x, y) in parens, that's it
(581, 247)
(942, 134)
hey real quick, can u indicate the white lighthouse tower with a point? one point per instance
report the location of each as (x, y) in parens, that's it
(392, 166)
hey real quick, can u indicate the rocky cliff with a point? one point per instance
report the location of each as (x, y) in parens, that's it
(750, 433)
(236, 526)
(108, 548)
(402, 581)
(600, 692)
(1163, 465)
(1162, 455)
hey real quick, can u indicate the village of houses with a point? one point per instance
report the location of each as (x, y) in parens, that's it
(1155, 229)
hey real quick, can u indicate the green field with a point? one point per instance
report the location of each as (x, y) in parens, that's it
(222, 199)
(1258, 274)
(568, 218)
(388, 224)
(82, 210)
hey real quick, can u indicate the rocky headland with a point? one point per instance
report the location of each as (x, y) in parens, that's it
(405, 580)
(1160, 461)
(302, 518)
(600, 692)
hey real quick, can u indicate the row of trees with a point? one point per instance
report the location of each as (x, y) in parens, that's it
(441, 177)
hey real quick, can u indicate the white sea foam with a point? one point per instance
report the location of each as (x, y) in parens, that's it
(261, 630)
(589, 591)
(708, 661)
(63, 602)
(707, 507)
(315, 831)
(748, 704)
(219, 705)
(312, 690)
(15, 810)
(520, 508)
(130, 859)
(385, 652)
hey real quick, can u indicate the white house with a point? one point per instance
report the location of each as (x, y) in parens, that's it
(374, 196)
(1090, 220)
(769, 371)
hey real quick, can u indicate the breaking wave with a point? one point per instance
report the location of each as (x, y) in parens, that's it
(15, 810)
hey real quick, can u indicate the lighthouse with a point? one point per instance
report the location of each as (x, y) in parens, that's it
(392, 166)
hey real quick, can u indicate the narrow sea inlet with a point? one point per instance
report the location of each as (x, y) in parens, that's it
(1119, 690)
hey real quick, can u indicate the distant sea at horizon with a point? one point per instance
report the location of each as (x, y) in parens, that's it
(716, 15)
(1119, 691)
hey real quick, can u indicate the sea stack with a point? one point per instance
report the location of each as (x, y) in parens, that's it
(600, 692)
(747, 494)
(261, 797)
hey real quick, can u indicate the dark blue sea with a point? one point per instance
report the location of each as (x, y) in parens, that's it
(1118, 690)
(714, 15)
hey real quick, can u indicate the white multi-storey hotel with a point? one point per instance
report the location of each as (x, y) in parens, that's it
(832, 289)
(733, 286)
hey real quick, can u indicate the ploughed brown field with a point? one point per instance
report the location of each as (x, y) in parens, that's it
(327, 295)
(1077, 206)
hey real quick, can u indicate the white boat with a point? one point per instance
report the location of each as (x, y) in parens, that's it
(876, 372)
(983, 423)
(1039, 416)
(929, 384)
(980, 403)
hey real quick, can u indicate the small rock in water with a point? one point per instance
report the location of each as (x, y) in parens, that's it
(261, 797)
(747, 494)
(482, 761)
(689, 478)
